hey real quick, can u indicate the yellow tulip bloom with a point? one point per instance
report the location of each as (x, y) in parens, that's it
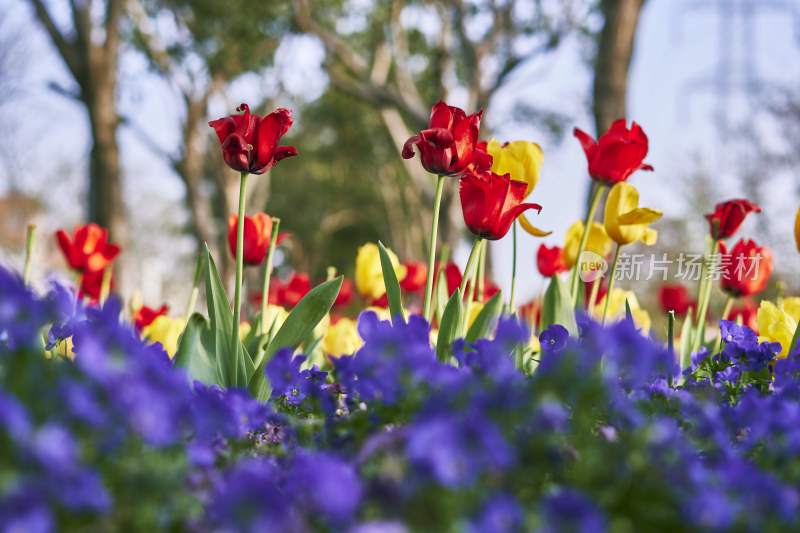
(598, 241)
(523, 161)
(797, 230)
(165, 330)
(473, 309)
(342, 339)
(625, 221)
(641, 318)
(369, 274)
(775, 325)
(791, 306)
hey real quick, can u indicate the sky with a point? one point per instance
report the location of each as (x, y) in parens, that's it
(680, 51)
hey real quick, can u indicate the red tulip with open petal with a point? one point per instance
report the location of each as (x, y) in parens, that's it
(491, 203)
(618, 154)
(90, 251)
(250, 142)
(448, 146)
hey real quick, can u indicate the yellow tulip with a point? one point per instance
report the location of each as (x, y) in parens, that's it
(165, 330)
(523, 161)
(244, 329)
(797, 230)
(775, 325)
(625, 221)
(598, 241)
(342, 339)
(369, 275)
(791, 306)
(276, 315)
(473, 308)
(641, 318)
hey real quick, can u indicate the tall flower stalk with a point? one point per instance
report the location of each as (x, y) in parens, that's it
(273, 241)
(585, 237)
(237, 294)
(426, 308)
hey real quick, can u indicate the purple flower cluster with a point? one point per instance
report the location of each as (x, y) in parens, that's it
(600, 435)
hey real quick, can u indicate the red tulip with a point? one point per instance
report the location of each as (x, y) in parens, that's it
(447, 147)
(144, 316)
(416, 275)
(491, 203)
(90, 252)
(674, 297)
(257, 232)
(550, 261)
(619, 153)
(602, 290)
(746, 269)
(728, 217)
(453, 277)
(748, 312)
(345, 295)
(250, 142)
(531, 313)
(289, 293)
(91, 284)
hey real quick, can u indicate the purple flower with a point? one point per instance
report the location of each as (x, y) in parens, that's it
(742, 335)
(327, 484)
(283, 371)
(501, 514)
(554, 338)
(296, 392)
(569, 510)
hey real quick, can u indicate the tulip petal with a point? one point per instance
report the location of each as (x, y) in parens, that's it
(640, 215)
(650, 237)
(527, 226)
(441, 116)
(587, 142)
(408, 147)
(797, 230)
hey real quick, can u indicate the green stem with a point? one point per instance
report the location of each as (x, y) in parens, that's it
(482, 271)
(587, 226)
(473, 283)
(273, 241)
(26, 276)
(611, 282)
(513, 267)
(471, 260)
(437, 201)
(705, 296)
(702, 288)
(198, 273)
(593, 296)
(237, 293)
(105, 285)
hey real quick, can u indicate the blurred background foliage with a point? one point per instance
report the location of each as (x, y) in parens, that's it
(384, 64)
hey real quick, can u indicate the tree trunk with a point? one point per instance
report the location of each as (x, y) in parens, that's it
(614, 53)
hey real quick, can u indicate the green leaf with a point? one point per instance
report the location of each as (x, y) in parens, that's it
(671, 332)
(197, 351)
(686, 341)
(484, 323)
(794, 339)
(298, 325)
(234, 369)
(557, 307)
(450, 326)
(441, 295)
(628, 314)
(392, 285)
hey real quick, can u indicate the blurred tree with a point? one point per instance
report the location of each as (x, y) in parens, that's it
(615, 45)
(90, 48)
(200, 46)
(401, 56)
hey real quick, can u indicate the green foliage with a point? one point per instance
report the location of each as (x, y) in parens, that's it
(450, 327)
(557, 307)
(196, 351)
(298, 326)
(484, 323)
(392, 285)
(234, 369)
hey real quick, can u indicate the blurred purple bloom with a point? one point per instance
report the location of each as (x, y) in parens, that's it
(554, 338)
